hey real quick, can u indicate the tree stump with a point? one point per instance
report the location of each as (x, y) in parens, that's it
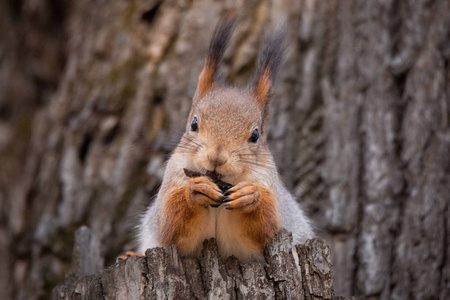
(290, 272)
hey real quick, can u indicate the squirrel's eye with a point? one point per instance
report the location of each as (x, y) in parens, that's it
(254, 137)
(194, 124)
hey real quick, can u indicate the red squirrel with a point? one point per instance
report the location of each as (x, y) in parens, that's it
(225, 135)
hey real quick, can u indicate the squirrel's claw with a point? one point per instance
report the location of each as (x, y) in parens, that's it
(127, 254)
(243, 196)
(203, 191)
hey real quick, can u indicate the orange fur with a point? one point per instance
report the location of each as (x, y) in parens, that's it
(128, 254)
(178, 219)
(262, 88)
(206, 78)
(259, 225)
(186, 214)
(246, 216)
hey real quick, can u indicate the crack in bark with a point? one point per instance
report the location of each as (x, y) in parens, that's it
(360, 212)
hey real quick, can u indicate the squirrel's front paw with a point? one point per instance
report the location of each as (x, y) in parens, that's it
(243, 196)
(126, 255)
(203, 191)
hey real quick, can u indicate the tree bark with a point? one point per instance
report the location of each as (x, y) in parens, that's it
(93, 95)
(291, 272)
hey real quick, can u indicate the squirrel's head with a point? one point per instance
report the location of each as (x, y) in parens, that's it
(226, 130)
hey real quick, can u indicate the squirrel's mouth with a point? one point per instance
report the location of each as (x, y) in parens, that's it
(216, 174)
(213, 174)
(219, 175)
(217, 178)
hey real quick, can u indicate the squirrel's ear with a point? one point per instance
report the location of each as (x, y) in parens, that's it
(219, 42)
(269, 60)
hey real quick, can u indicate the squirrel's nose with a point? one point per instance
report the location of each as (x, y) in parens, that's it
(217, 156)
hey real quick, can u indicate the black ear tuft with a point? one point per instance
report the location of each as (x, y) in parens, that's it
(219, 42)
(271, 55)
(220, 39)
(270, 59)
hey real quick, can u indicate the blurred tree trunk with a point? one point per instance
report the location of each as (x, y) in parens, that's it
(93, 95)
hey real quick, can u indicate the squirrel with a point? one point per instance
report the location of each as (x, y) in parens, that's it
(225, 135)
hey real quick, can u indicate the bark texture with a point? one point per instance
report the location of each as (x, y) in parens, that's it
(301, 272)
(93, 95)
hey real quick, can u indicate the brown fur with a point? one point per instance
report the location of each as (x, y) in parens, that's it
(188, 209)
(128, 254)
(263, 88)
(186, 214)
(260, 224)
(206, 78)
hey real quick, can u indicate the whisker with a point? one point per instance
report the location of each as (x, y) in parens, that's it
(255, 154)
(192, 141)
(187, 148)
(239, 149)
(189, 144)
(264, 161)
(267, 167)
